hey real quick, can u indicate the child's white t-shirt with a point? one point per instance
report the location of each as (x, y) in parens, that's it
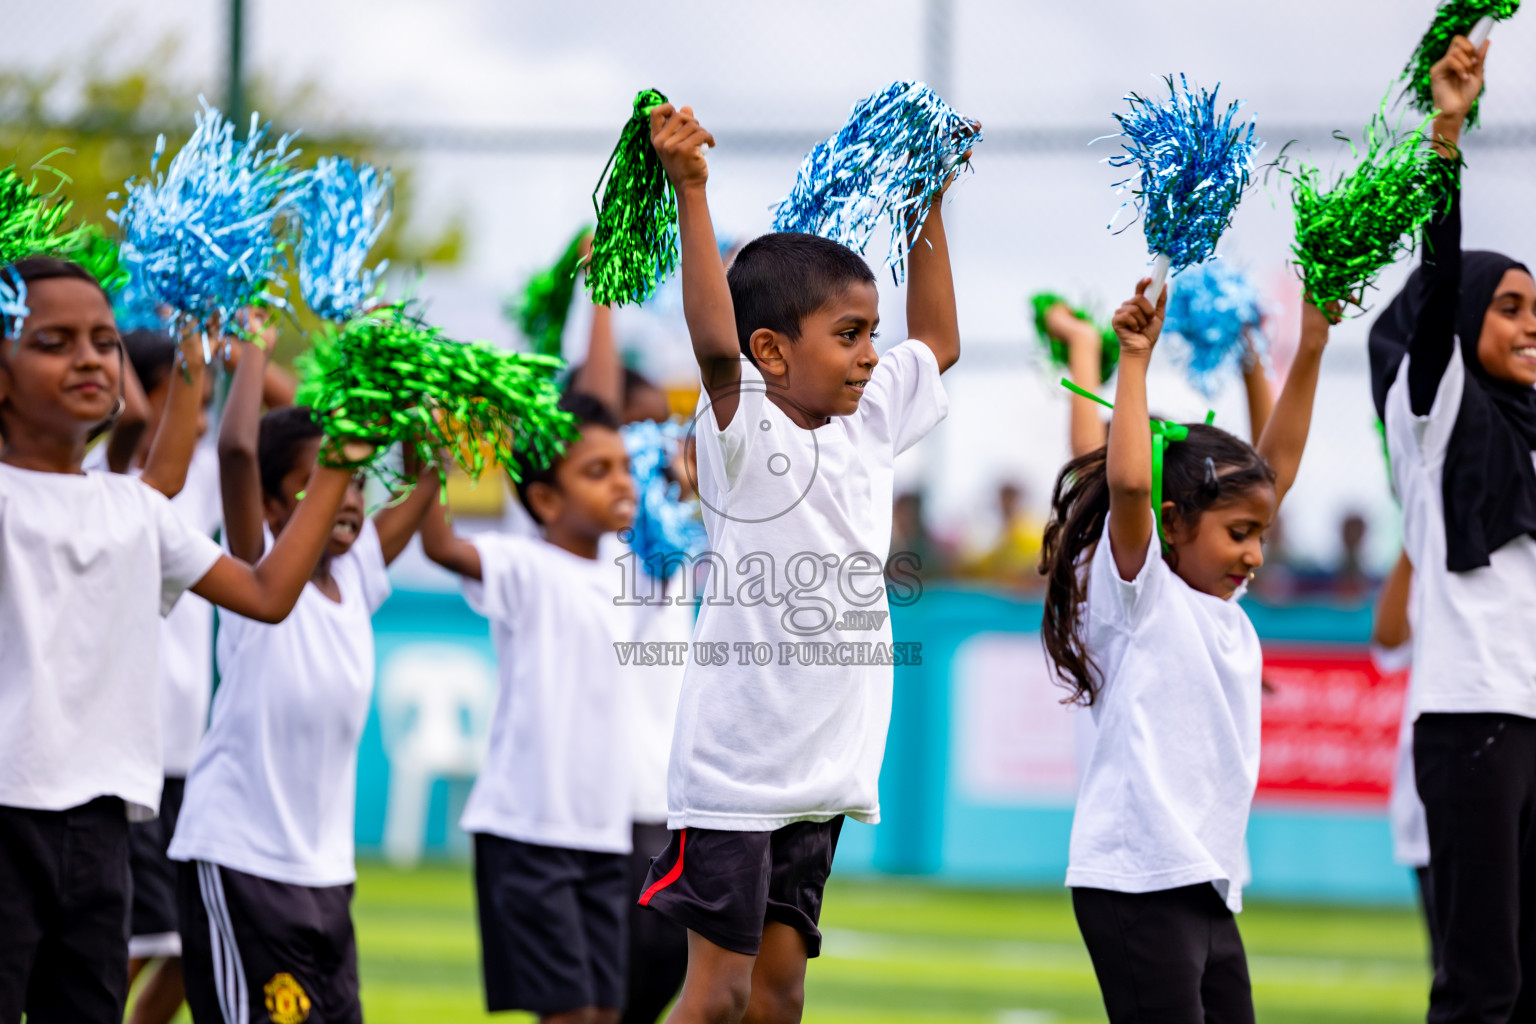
(1168, 789)
(558, 767)
(1474, 636)
(654, 691)
(186, 634)
(799, 525)
(273, 790)
(88, 564)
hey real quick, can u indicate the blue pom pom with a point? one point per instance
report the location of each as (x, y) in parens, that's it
(890, 158)
(201, 235)
(1216, 313)
(666, 528)
(13, 303)
(1193, 167)
(134, 308)
(343, 214)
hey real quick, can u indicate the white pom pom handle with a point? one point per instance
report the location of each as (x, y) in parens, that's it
(1159, 275)
(1479, 34)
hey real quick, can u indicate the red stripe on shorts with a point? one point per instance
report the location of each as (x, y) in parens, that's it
(671, 876)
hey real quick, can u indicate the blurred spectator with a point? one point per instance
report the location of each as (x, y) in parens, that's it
(1351, 578)
(1012, 557)
(910, 534)
(1277, 581)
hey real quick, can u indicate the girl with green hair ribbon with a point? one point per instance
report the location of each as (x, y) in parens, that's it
(1152, 539)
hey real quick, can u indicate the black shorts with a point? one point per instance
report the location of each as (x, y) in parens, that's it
(153, 930)
(257, 950)
(64, 912)
(727, 885)
(553, 925)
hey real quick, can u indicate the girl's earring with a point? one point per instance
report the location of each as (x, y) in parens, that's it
(117, 409)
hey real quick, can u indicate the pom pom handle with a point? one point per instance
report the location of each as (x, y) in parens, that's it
(1480, 32)
(1159, 276)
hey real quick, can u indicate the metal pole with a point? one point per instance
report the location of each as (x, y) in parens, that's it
(234, 107)
(938, 23)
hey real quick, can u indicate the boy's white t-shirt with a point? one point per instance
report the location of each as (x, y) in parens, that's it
(558, 768)
(1474, 637)
(88, 564)
(186, 634)
(653, 692)
(799, 525)
(273, 790)
(1166, 797)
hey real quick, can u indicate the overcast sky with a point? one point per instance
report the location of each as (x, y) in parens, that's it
(1025, 221)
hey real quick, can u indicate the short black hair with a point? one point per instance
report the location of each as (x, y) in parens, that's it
(281, 434)
(589, 412)
(780, 279)
(152, 353)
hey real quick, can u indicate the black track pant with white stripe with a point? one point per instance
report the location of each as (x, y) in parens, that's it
(254, 950)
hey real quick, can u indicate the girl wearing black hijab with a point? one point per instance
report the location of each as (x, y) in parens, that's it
(1453, 362)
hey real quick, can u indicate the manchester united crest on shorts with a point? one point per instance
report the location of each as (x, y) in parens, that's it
(287, 1003)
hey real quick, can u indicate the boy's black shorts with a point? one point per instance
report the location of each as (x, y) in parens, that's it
(64, 893)
(154, 932)
(257, 950)
(554, 925)
(727, 885)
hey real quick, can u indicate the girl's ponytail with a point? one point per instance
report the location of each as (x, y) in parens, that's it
(1079, 507)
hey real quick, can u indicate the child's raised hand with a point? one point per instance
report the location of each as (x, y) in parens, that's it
(1457, 78)
(1137, 322)
(679, 141)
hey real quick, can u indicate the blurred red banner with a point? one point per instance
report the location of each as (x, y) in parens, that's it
(1330, 724)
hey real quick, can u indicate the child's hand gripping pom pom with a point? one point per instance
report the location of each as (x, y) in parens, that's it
(1350, 230)
(1471, 18)
(201, 236)
(1056, 350)
(385, 377)
(892, 158)
(542, 309)
(1192, 168)
(667, 529)
(635, 245)
(1216, 313)
(343, 213)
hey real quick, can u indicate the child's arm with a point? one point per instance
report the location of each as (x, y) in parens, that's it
(679, 140)
(602, 373)
(931, 315)
(1261, 397)
(1391, 628)
(397, 522)
(1085, 356)
(1457, 80)
(1128, 460)
(128, 429)
(170, 453)
(239, 471)
(278, 388)
(447, 548)
(1285, 436)
(268, 590)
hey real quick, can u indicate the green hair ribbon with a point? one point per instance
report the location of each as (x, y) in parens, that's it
(1164, 433)
(634, 247)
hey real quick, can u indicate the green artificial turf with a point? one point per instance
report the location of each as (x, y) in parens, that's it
(907, 952)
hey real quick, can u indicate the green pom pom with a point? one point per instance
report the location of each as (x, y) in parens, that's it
(1349, 231)
(1453, 18)
(96, 251)
(386, 377)
(1057, 349)
(635, 246)
(541, 310)
(31, 224)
